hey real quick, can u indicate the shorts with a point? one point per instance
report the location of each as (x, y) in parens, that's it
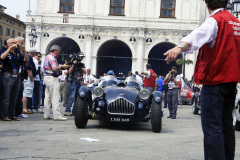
(28, 88)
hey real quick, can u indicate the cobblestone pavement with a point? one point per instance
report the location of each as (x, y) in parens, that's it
(38, 139)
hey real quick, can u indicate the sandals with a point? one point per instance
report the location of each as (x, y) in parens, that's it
(6, 119)
(15, 119)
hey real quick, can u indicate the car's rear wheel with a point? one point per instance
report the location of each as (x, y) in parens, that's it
(81, 112)
(156, 116)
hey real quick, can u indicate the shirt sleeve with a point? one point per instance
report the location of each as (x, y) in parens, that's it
(206, 33)
(148, 74)
(178, 78)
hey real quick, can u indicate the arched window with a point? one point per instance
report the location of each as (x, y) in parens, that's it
(168, 8)
(117, 7)
(66, 6)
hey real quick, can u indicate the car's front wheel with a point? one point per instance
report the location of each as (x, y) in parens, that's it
(156, 116)
(81, 112)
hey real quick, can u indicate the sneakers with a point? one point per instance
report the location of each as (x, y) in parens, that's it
(35, 110)
(60, 119)
(22, 116)
(30, 110)
(68, 114)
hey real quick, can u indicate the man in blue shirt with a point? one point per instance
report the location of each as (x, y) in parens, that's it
(3, 49)
(12, 60)
(160, 83)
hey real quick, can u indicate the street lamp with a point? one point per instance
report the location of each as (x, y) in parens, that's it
(234, 7)
(33, 37)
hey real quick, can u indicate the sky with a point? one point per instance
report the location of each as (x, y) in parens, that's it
(20, 7)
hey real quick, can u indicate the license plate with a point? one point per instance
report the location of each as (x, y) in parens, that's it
(115, 119)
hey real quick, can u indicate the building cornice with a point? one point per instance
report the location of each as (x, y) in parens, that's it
(169, 24)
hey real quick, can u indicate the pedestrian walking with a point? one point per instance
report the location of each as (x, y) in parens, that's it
(217, 68)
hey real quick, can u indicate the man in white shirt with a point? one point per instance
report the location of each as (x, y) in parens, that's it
(139, 79)
(88, 78)
(172, 94)
(35, 98)
(217, 68)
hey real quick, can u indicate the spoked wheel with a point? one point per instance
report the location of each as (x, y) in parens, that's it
(156, 116)
(81, 112)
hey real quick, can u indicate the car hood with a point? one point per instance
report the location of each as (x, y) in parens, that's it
(113, 94)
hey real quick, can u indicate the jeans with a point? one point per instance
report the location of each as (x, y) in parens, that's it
(11, 88)
(40, 92)
(19, 105)
(217, 122)
(172, 99)
(1, 89)
(35, 97)
(73, 88)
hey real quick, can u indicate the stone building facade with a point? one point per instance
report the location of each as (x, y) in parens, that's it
(10, 26)
(122, 35)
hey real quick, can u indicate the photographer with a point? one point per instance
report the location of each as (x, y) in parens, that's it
(12, 60)
(77, 69)
(172, 94)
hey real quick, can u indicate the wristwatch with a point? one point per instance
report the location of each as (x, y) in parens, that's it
(180, 46)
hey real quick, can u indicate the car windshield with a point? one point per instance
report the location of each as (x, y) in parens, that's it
(108, 80)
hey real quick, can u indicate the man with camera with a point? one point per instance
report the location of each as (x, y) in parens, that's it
(77, 69)
(172, 94)
(12, 60)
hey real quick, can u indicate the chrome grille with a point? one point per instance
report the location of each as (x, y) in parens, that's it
(121, 106)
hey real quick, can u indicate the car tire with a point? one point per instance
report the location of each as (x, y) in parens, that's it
(81, 112)
(156, 116)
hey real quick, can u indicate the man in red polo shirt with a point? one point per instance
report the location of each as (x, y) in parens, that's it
(217, 68)
(150, 79)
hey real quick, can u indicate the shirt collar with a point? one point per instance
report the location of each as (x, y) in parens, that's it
(216, 11)
(53, 55)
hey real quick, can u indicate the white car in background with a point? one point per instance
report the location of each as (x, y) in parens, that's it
(236, 111)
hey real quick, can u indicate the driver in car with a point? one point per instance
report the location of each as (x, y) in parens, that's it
(110, 76)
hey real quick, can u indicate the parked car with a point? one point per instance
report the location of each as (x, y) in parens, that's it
(186, 95)
(119, 102)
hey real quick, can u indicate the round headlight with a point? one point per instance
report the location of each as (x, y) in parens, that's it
(144, 94)
(98, 91)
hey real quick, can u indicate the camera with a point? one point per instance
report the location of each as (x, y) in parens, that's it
(18, 45)
(73, 56)
(172, 73)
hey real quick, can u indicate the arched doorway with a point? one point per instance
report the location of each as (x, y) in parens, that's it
(157, 59)
(114, 55)
(68, 46)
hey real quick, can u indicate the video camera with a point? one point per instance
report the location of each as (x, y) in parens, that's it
(74, 56)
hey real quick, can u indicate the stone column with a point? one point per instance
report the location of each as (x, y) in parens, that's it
(88, 51)
(140, 54)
